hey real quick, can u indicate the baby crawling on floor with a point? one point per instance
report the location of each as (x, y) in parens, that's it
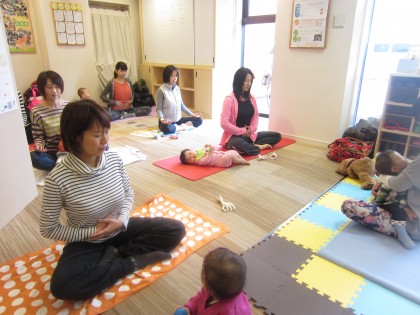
(209, 156)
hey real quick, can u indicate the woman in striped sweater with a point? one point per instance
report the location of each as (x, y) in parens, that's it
(45, 119)
(90, 184)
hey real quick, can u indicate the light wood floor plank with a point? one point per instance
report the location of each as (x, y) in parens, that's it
(265, 194)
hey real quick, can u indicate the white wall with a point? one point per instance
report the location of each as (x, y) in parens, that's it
(76, 64)
(312, 88)
(17, 180)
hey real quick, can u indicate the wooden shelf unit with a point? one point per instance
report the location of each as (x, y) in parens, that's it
(398, 129)
(194, 82)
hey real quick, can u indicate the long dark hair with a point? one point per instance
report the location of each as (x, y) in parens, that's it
(120, 66)
(238, 81)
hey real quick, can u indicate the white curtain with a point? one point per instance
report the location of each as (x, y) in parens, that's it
(113, 37)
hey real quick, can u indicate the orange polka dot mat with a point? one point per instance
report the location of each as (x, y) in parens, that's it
(25, 281)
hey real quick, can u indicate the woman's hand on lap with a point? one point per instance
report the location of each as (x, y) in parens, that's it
(105, 227)
(40, 148)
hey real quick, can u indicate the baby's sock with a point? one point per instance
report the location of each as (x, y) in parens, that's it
(142, 260)
(403, 236)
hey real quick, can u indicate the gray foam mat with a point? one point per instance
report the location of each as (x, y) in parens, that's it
(378, 258)
(270, 265)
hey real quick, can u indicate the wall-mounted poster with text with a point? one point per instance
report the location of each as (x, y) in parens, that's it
(18, 26)
(309, 23)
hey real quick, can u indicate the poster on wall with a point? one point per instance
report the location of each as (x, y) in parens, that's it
(309, 23)
(18, 26)
(68, 22)
(7, 88)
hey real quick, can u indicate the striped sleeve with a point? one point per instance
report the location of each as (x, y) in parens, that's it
(22, 108)
(46, 126)
(50, 225)
(129, 198)
(86, 195)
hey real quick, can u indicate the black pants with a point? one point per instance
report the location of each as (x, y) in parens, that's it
(85, 268)
(397, 213)
(167, 129)
(244, 145)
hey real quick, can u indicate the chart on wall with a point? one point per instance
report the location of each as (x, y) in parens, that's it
(8, 92)
(168, 30)
(309, 23)
(68, 21)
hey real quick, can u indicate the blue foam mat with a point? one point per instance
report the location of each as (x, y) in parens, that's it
(378, 258)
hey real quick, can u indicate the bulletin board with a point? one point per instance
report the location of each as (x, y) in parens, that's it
(18, 26)
(309, 23)
(68, 21)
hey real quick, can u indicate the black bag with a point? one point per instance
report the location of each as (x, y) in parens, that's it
(363, 130)
(143, 99)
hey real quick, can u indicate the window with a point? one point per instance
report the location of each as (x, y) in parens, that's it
(261, 7)
(258, 21)
(394, 29)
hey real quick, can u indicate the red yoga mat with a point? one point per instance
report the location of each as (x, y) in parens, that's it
(195, 172)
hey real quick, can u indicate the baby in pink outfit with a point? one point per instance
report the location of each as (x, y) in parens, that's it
(209, 156)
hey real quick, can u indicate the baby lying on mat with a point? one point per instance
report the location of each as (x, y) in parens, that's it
(209, 156)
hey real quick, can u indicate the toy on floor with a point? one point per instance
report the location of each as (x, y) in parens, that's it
(363, 169)
(226, 206)
(272, 156)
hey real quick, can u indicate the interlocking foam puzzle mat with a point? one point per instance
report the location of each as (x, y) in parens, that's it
(377, 257)
(195, 172)
(25, 281)
(286, 275)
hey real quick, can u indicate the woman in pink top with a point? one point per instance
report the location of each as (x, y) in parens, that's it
(209, 156)
(239, 118)
(223, 277)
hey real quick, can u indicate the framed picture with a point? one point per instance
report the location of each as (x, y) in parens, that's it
(309, 23)
(17, 22)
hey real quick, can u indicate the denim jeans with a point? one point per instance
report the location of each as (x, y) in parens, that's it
(168, 129)
(43, 161)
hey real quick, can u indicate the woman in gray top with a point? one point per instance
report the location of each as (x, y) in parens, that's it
(169, 104)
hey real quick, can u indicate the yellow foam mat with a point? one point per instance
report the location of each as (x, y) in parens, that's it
(355, 182)
(331, 200)
(305, 234)
(339, 284)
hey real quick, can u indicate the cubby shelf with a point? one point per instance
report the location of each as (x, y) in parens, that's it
(398, 129)
(195, 84)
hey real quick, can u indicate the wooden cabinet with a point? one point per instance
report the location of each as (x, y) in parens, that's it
(180, 32)
(203, 92)
(399, 129)
(146, 74)
(195, 84)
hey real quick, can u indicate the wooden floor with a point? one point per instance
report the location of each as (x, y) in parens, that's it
(266, 193)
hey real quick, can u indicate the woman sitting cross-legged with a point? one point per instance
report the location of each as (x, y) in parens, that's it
(45, 119)
(92, 187)
(239, 119)
(169, 105)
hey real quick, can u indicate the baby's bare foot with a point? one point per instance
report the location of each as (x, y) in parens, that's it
(264, 146)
